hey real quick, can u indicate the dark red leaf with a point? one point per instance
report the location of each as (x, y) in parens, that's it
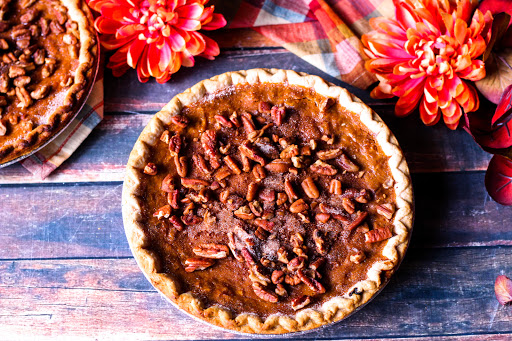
(503, 289)
(504, 106)
(499, 26)
(498, 179)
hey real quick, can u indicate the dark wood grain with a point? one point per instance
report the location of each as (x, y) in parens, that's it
(435, 292)
(452, 210)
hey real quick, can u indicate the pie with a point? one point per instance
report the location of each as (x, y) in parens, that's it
(48, 62)
(267, 201)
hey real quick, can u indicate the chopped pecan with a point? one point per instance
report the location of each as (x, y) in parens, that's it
(363, 197)
(4, 45)
(232, 247)
(252, 190)
(280, 290)
(55, 27)
(211, 250)
(258, 172)
(22, 81)
(264, 107)
(282, 255)
(180, 121)
(200, 163)
(248, 257)
(48, 68)
(209, 143)
(167, 184)
(279, 166)
(195, 184)
(256, 208)
(150, 169)
(297, 240)
(163, 212)
(264, 224)
(40, 92)
(246, 163)
(264, 294)
(317, 264)
(3, 129)
(261, 233)
(69, 39)
(198, 263)
(387, 210)
(191, 219)
(222, 173)
(244, 212)
(313, 284)
(345, 163)
(277, 114)
(231, 163)
(224, 149)
(323, 217)
(299, 206)
(256, 275)
(300, 302)
(329, 154)
(175, 143)
(24, 97)
(289, 152)
(290, 191)
(348, 205)
(323, 168)
(234, 119)
(248, 150)
(165, 136)
(296, 263)
(248, 123)
(335, 187)
(268, 195)
(16, 71)
(360, 217)
(223, 196)
(378, 234)
(328, 138)
(319, 242)
(223, 121)
(357, 257)
(292, 279)
(176, 223)
(298, 161)
(181, 165)
(277, 276)
(305, 150)
(309, 187)
(281, 198)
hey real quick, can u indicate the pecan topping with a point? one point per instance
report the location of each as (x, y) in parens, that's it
(264, 107)
(191, 219)
(180, 121)
(167, 184)
(323, 168)
(232, 247)
(222, 173)
(348, 205)
(209, 143)
(224, 121)
(282, 198)
(200, 163)
(290, 191)
(318, 263)
(198, 263)
(252, 190)
(256, 208)
(244, 212)
(387, 210)
(248, 150)
(298, 206)
(163, 212)
(216, 251)
(360, 217)
(292, 279)
(261, 233)
(277, 276)
(282, 255)
(309, 187)
(313, 284)
(279, 166)
(175, 143)
(289, 152)
(300, 302)
(248, 123)
(329, 154)
(378, 234)
(176, 223)
(165, 136)
(328, 138)
(323, 217)
(296, 263)
(234, 119)
(280, 290)
(195, 184)
(3, 129)
(326, 104)
(319, 242)
(277, 114)
(264, 224)
(24, 97)
(230, 162)
(248, 257)
(347, 164)
(258, 172)
(357, 257)
(264, 294)
(267, 195)
(21, 81)
(150, 169)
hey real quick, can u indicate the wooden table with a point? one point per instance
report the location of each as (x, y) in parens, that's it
(66, 268)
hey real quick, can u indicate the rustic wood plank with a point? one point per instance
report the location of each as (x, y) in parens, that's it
(85, 220)
(240, 38)
(435, 292)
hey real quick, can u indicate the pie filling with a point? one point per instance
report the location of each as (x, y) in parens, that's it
(267, 198)
(39, 54)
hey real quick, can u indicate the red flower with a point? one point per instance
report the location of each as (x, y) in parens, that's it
(156, 37)
(425, 55)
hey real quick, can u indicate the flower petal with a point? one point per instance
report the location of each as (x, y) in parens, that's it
(217, 21)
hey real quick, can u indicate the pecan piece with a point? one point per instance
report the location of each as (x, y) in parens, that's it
(326, 104)
(163, 212)
(264, 224)
(22, 81)
(209, 143)
(309, 187)
(292, 279)
(264, 294)
(24, 97)
(198, 263)
(323, 217)
(248, 150)
(150, 169)
(323, 168)
(319, 242)
(329, 154)
(195, 184)
(3, 129)
(357, 257)
(281, 198)
(348, 205)
(246, 163)
(222, 173)
(175, 143)
(279, 166)
(4, 45)
(264, 107)
(16, 71)
(232, 247)
(296, 263)
(211, 250)
(378, 234)
(234, 119)
(267, 195)
(248, 123)
(256, 208)
(252, 189)
(180, 121)
(231, 163)
(261, 233)
(360, 217)
(328, 138)
(280, 290)
(40, 92)
(55, 27)
(300, 302)
(289, 152)
(313, 284)
(277, 114)
(347, 164)
(248, 257)
(176, 223)
(167, 184)
(290, 191)
(200, 163)
(258, 172)
(223, 121)
(387, 210)
(165, 136)
(277, 276)
(299, 206)
(244, 212)
(317, 264)
(191, 219)
(181, 165)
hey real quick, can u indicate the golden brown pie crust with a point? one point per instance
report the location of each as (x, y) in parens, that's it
(28, 127)
(335, 308)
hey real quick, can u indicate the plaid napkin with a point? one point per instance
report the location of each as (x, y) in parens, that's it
(45, 161)
(324, 33)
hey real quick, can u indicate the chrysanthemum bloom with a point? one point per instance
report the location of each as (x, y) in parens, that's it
(425, 55)
(156, 37)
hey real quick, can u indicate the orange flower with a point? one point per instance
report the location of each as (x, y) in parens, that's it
(156, 37)
(425, 55)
